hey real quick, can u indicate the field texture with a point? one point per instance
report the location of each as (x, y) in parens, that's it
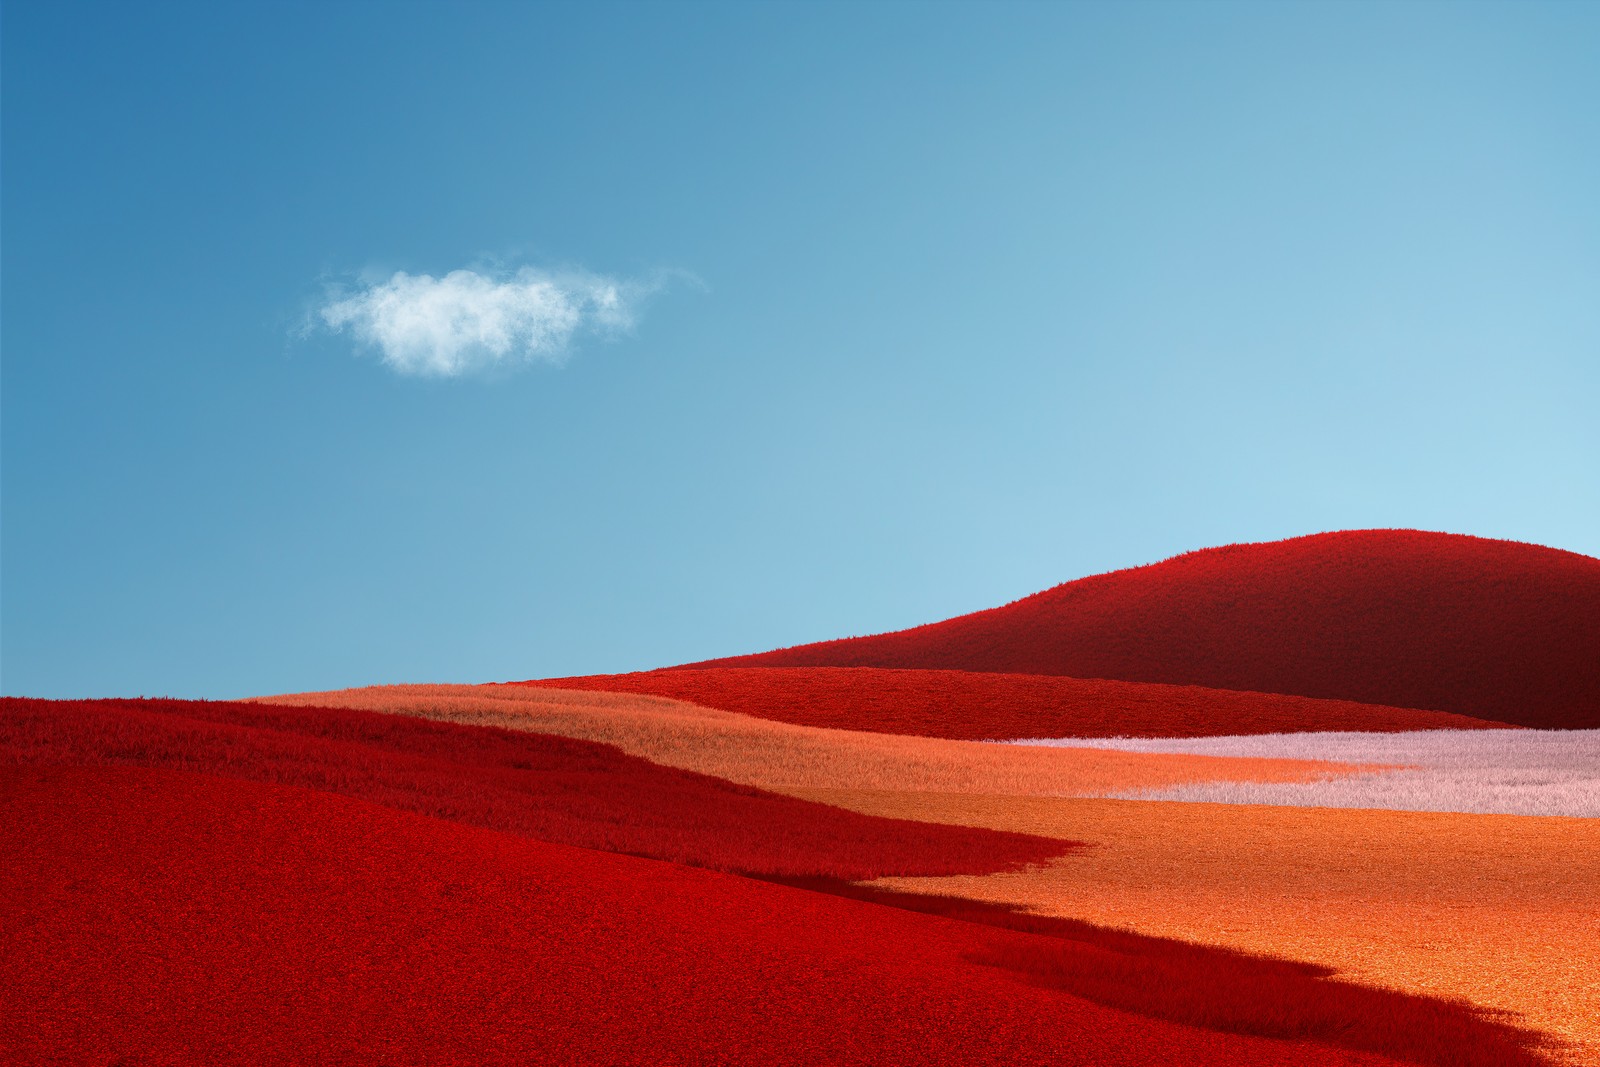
(1329, 801)
(179, 917)
(782, 757)
(168, 917)
(1322, 893)
(1506, 772)
(1492, 629)
(1496, 909)
(977, 706)
(534, 785)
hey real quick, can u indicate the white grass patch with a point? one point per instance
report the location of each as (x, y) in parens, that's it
(1510, 772)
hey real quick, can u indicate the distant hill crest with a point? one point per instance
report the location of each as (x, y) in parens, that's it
(1492, 629)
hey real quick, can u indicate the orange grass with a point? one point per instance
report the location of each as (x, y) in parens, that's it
(783, 757)
(1496, 909)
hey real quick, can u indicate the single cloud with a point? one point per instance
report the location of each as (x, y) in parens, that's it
(466, 322)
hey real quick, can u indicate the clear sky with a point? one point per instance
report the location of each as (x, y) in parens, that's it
(782, 322)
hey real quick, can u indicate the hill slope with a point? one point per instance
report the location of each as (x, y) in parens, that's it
(973, 706)
(164, 916)
(1492, 629)
(557, 789)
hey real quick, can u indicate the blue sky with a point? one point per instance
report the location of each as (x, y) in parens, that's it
(919, 309)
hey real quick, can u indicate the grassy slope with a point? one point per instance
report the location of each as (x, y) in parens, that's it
(1498, 909)
(549, 788)
(993, 706)
(164, 916)
(1491, 629)
(784, 757)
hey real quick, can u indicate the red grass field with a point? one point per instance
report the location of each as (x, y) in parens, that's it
(253, 883)
(968, 705)
(1492, 629)
(164, 916)
(550, 788)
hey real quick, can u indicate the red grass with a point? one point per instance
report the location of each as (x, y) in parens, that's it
(1215, 989)
(974, 706)
(157, 916)
(1492, 629)
(550, 788)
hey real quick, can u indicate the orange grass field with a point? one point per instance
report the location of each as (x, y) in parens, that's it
(1499, 910)
(782, 757)
(1494, 909)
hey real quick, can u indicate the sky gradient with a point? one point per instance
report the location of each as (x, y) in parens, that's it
(929, 307)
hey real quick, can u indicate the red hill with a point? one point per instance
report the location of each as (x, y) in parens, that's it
(157, 916)
(1492, 629)
(971, 706)
(552, 788)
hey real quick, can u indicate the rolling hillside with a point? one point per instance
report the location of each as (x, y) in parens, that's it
(1496, 630)
(164, 916)
(974, 706)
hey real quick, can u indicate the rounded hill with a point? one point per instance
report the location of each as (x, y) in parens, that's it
(1492, 629)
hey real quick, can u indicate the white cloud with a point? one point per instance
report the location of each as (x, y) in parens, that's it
(466, 321)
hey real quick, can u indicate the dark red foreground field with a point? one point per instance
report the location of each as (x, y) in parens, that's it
(549, 788)
(978, 706)
(164, 915)
(193, 882)
(157, 916)
(1497, 630)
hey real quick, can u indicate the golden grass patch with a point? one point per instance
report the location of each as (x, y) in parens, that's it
(784, 757)
(1497, 909)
